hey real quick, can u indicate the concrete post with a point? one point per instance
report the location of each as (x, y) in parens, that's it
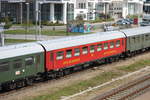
(65, 13)
(1, 39)
(21, 16)
(36, 18)
(94, 10)
(52, 13)
(125, 9)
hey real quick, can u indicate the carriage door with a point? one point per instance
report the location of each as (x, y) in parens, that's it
(30, 65)
(51, 65)
(38, 63)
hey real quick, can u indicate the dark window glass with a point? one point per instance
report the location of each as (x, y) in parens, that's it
(17, 63)
(69, 53)
(111, 44)
(92, 48)
(99, 47)
(29, 61)
(118, 43)
(84, 50)
(105, 46)
(60, 55)
(147, 37)
(76, 52)
(4, 66)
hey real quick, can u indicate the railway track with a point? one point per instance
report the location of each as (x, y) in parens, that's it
(128, 91)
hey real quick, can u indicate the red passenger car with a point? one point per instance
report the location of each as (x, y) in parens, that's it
(67, 52)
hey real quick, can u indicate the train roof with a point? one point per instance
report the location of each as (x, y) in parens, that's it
(136, 31)
(80, 40)
(19, 50)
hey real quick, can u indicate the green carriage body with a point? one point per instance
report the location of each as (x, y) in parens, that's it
(137, 38)
(20, 62)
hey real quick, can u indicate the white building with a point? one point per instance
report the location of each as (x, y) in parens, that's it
(63, 10)
(122, 8)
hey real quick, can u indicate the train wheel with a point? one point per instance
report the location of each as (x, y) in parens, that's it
(12, 86)
(29, 81)
(20, 84)
(66, 72)
(60, 74)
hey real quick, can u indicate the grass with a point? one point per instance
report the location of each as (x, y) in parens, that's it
(79, 86)
(44, 32)
(17, 41)
(135, 66)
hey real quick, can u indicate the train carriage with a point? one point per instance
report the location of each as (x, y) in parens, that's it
(19, 64)
(71, 51)
(137, 39)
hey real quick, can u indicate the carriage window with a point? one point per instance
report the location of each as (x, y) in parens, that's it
(76, 52)
(111, 44)
(92, 48)
(118, 43)
(99, 47)
(29, 61)
(146, 37)
(84, 50)
(134, 39)
(4, 66)
(68, 53)
(17, 63)
(105, 46)
(59, 55)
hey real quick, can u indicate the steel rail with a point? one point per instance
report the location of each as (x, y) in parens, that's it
(127, 91)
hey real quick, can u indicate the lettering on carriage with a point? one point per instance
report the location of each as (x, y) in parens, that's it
(71, 61)
(109, 52)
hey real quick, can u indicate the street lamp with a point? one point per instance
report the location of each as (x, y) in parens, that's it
(0, 6)
(28, 16)
(67, 26)
(40, 18)
(21, 12)
(1, 36)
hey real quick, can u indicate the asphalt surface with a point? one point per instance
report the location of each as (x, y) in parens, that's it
(96, 25)
(34, 37)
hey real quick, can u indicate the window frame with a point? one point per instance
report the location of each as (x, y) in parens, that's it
(75, 53)
(26, 59)
(98, 45)
(92, 50)
(61, 57)
(118, 45)
(6, 68)
(15, 62)
(70, 54)
(112, 45)
(105, 48)
(85, 52)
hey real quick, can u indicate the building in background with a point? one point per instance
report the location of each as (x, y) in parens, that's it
(63, 10)
(123, 8)
(146, 7)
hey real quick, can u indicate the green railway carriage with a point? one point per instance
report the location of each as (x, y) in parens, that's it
(20, 64)
(137, 39)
